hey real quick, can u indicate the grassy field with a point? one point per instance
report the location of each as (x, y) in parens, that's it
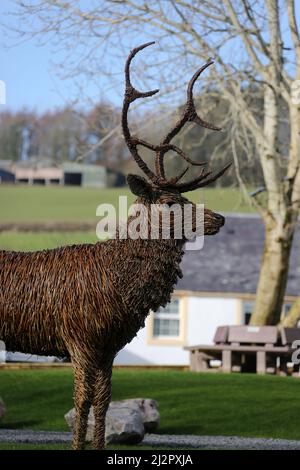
(39, 203)
(64, 204)
(31, 241)
(189, 403)
(54, 203)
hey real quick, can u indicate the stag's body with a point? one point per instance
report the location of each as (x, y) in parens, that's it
(88, 301)
(60, 298)
(85, 301)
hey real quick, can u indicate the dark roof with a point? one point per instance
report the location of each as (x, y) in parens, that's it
(230, 260)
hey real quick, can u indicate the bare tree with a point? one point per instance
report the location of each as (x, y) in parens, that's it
(256, 46)
(293, 317)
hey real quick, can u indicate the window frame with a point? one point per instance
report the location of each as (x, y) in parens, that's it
(246, 302)
(167, 316)
(168, 340)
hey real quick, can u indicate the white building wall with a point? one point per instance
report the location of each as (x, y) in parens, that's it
(23, 357)
(203, 316)
(206, 314)
(138, 352)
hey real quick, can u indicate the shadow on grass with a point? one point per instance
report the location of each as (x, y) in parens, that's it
(24, 424)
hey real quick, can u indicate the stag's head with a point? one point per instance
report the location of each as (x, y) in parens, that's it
(157, 188)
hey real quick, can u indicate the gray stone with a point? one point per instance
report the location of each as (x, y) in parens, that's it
(70, 418)
(126, 420)
(124, 425)
(2, 409)
(148, 409)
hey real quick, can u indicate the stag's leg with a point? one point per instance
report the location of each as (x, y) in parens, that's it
(84, 381)
(101, 401)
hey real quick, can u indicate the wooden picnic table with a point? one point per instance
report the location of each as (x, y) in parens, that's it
(201, 354)
(234, 343)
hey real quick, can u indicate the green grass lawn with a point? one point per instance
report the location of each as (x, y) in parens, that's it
(189, 403)
(31, 241)
(54, 203)
(67, 204)
(40, 203)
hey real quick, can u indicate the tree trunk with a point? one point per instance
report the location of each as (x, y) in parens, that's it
(273, 276)
(291, 320)
(277, 245)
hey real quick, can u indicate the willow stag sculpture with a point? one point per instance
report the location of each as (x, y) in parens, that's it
(84, 301)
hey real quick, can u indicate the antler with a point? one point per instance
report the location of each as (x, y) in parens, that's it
(131, 94)
(189, 114)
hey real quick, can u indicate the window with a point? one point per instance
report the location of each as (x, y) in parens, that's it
(166, 321)
(247, 311)
(168, 326)
(248, 306)
(286, 309)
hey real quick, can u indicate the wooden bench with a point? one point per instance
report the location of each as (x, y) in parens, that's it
(239, 348)
(200, 357)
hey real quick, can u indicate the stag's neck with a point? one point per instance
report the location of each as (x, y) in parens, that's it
(145, 272)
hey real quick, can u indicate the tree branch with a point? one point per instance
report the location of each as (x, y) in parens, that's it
(294, 28)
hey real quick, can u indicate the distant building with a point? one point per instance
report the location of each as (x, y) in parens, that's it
(6, 173)
(78, 174)
(44, 172)
(47, 175)
(97, 176)
(6, 176)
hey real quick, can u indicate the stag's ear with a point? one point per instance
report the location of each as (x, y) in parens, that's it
(139, 186)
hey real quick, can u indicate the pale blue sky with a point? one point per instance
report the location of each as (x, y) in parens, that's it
(29, 74)
(32, 81)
